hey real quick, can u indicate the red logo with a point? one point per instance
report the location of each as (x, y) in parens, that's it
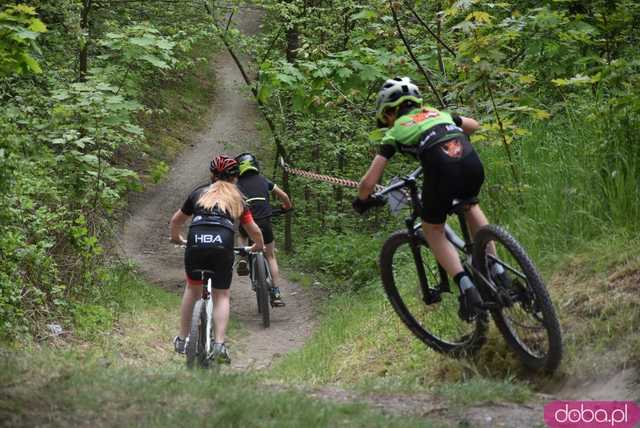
(452, 148)
(421, 117)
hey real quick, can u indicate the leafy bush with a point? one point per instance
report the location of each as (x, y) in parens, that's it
(347, 257)
(68, 135)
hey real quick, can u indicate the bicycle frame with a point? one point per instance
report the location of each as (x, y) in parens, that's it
(464, 245)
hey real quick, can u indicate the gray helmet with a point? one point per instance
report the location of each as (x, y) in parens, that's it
(394, 92)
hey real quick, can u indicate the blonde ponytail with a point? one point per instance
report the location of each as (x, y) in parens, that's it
(225, 196)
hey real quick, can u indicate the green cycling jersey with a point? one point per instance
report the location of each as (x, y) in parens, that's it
(410, 133)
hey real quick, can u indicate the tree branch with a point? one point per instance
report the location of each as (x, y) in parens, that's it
(424, 24)
(413, 57)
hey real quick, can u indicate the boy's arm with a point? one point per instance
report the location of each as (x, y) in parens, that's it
(372, 177)
(468, 125)
(283, 197)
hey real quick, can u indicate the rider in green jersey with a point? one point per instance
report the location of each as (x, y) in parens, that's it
(451, 167)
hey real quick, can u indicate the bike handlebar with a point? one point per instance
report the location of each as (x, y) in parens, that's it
(243, 250)
(400, 184)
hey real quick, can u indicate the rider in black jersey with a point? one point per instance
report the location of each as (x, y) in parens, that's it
(257, 190)
(209, 246)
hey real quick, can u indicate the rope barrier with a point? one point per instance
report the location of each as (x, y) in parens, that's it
(320, 177)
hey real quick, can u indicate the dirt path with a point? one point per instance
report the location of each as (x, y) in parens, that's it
(231, 130)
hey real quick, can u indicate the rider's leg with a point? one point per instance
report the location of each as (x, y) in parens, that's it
(476, 219)
(442, 249)
(243, 263)
(221, 306)
(448, 258)
(276, 296)
(191, 294)
(270, 254)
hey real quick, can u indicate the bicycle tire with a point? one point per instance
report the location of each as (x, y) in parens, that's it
(262, 289)
(534, 287)
(196, 352)
(422, 319)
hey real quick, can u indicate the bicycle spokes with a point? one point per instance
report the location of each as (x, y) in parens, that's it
(431, 305)
(522, 308)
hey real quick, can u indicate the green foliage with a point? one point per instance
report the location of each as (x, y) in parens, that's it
(69, 138)
(19, 29)
(90, 320)
(159, 171)
(341, 258)
(555, 87)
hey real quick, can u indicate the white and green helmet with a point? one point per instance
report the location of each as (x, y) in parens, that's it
(394, 92)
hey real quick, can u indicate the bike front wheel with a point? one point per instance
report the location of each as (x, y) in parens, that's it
(436, 324)
(197, 342)
(525, 315)
(262, 288)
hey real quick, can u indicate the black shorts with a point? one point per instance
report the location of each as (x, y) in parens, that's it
(452, 170)
(209, 248)
(265, 226)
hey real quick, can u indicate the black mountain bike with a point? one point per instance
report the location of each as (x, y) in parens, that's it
(260, 276)
(419, 291)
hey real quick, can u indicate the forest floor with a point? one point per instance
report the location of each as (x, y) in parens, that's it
(136, 379)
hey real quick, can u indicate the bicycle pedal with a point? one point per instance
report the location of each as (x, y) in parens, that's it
(432, 297)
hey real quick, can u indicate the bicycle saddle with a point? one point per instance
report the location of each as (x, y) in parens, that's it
(459, 205)
(204, 274)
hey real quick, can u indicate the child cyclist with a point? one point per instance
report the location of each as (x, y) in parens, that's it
(257, 189)
(451, 168)
(214, 208)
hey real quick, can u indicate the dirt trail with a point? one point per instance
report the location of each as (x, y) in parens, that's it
(231, 130)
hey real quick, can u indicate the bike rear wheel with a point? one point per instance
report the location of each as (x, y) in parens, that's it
(527, 320)
(197, 342)
(437, 324)
(262, 288)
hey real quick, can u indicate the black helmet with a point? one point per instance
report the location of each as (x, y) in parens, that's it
(247, 162)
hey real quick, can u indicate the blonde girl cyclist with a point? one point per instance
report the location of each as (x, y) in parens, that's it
(209, 246)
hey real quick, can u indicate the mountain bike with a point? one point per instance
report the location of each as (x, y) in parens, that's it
(418, 287)
(198, 346)
(199, 342)
(260, 277)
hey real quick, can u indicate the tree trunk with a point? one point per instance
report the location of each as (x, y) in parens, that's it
(84, 48)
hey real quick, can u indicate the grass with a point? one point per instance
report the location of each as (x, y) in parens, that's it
(479, 389)
(361, 342)
(129, 375)
(576, 214)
